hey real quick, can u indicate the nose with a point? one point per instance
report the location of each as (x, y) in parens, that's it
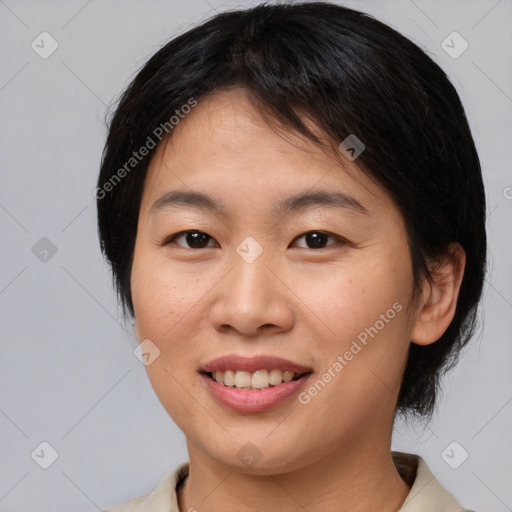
(252, 299)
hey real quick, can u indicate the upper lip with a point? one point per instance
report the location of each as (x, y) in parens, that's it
(251, 364)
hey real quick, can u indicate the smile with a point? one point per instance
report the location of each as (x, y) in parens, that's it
(260, 379)
(249, 400)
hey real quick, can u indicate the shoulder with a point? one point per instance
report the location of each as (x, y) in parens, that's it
(162, 499)
(427, 494)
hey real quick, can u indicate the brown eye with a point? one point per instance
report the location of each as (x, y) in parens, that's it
(318, 239)
(195, 239)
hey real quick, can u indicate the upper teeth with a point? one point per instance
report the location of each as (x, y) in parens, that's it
(259, 379)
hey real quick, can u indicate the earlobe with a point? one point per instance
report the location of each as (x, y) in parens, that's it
(440, 296)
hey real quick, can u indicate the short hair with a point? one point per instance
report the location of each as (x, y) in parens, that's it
(350, 74)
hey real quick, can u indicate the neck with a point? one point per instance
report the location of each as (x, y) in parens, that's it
(356, 480)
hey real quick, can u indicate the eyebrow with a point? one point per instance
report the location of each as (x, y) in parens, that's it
(302, 201)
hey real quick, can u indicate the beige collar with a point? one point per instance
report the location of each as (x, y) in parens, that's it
(426, 494)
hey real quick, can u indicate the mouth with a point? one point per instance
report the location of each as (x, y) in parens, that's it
(253, 372)
(258, 380)
(256, 390)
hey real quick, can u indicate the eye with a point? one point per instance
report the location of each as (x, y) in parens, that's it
(194, 238)
(318, 239)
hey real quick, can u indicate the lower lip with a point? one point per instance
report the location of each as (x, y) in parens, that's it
(256, 400)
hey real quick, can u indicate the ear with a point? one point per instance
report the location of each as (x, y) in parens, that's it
(439, 299)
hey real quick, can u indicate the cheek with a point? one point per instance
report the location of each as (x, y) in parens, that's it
(363, 313)
(352, 297)
(161, 296)
(162, 303)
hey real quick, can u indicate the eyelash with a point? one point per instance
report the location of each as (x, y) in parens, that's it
(171, 239)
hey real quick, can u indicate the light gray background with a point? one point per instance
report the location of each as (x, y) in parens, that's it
(68, 375)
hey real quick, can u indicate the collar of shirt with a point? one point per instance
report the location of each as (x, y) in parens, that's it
(426, 494)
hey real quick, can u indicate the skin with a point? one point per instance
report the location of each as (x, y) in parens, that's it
(295, 301)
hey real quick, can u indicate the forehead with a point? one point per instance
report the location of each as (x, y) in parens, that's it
(224, 144)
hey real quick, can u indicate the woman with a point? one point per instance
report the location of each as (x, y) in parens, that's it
(292, 205)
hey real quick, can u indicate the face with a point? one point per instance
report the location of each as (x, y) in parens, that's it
(325, 285)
